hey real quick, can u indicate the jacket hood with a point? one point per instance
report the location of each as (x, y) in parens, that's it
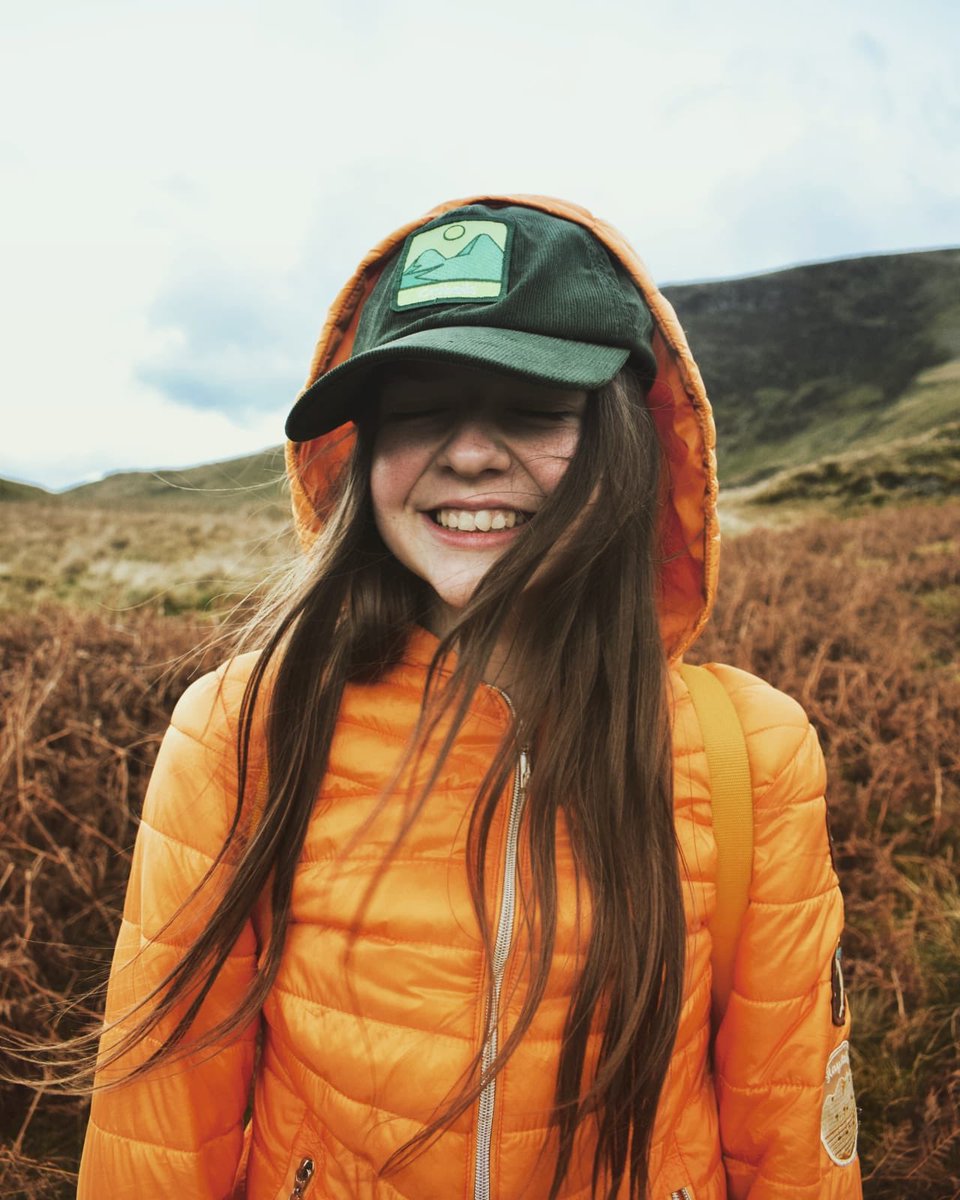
(689, 531)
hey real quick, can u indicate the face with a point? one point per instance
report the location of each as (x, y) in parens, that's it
(462, 459)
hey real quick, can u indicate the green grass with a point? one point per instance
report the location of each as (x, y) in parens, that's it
(926, 466)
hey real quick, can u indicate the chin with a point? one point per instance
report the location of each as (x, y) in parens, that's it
(454, 594)
(456, 598)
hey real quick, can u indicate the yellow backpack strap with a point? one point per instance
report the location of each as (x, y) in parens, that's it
(731, 794)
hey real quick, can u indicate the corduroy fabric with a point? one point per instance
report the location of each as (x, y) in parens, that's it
(689, 531)
(567, 315)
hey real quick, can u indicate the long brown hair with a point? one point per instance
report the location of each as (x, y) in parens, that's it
(589, 692)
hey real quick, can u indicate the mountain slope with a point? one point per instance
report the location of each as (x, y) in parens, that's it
(800, 365)
(924, 467)
(253, 480)
(823, 358)
(10, 489)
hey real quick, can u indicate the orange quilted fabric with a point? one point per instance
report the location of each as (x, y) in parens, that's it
(355, 1061)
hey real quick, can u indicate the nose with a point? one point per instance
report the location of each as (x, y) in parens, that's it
(475, 445)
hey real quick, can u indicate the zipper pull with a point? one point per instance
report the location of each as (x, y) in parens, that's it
(302, 1178)
(681, 1194)
(524, 769)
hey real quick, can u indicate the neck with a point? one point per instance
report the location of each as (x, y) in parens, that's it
(497, 671)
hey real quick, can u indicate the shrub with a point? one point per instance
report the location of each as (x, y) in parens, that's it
(858, 619)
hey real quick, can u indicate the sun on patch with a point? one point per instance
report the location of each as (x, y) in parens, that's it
(453, 263)
(838, 1119)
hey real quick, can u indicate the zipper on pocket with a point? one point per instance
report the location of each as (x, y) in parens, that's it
(301, 1181)
(681, 1194)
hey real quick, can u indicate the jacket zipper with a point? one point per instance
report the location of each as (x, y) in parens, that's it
(681, 1194)
(301, 1181)
(501, 951)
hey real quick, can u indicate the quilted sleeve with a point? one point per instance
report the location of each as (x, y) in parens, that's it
(788, 1120)
(178, 1131)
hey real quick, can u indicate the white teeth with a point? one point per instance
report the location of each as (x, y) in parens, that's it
(484, 519)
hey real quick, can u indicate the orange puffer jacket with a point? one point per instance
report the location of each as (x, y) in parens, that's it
(355, 1060)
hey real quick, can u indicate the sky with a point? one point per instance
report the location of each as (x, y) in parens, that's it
(186, 184)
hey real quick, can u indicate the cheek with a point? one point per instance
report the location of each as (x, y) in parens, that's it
(394, 470)
(548, 461)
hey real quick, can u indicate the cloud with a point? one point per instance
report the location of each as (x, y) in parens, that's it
(193, 182)
(148, 431)
(792, 219)
(870, 49)
(228, 339)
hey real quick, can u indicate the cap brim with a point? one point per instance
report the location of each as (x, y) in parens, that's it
(336, 397)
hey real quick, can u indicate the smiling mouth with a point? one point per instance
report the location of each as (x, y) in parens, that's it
(484, 520)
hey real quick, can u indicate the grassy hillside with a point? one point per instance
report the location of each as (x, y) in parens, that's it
(819, 359)
(801, 366)
(926, 466)
(250, 480)
(11, 490)
(168, 540)
(161, 555)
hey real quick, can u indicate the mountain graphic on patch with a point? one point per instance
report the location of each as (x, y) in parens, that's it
(482, 259)
(457, 262)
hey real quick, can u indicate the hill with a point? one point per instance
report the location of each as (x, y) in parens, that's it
(923, 467)
(902, 472)
(251, 479)
(801, 365)
(248, 481)
(10, 489)
(820, 359)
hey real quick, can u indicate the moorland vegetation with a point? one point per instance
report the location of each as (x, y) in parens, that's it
(858, 619)
(838, 423)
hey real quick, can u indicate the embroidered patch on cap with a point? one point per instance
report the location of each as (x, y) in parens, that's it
(838, 1119)
(453, 263)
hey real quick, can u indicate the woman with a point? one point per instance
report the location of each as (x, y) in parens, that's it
(428, 875)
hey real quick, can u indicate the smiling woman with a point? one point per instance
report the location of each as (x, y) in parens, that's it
(462, 459)
(443, 837)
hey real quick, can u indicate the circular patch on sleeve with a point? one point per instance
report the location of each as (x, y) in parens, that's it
(838, 1120)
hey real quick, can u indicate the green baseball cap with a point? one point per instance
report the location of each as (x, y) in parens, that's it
(509, 288)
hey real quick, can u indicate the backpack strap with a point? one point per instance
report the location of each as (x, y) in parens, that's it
(731, 795)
